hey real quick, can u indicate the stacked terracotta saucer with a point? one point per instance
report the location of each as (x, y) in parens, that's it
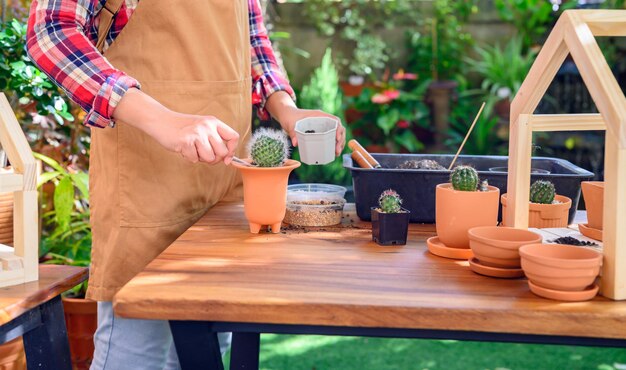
(496, 250)
(561, 272)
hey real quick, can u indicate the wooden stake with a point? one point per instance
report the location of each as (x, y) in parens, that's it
(467, 135)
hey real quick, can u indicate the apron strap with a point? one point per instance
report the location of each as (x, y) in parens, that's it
(108, 12)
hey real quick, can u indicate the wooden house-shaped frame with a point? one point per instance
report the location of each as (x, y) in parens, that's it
(574, 33)
(19, 264)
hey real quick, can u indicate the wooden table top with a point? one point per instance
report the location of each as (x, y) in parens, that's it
(218, 271)
(53, 280)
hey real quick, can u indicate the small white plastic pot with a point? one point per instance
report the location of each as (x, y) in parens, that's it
(316, 139)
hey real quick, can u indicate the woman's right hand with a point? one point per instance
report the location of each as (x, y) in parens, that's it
(196, 138)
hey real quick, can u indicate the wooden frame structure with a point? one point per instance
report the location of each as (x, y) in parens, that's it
(19, 264)
(574, 33)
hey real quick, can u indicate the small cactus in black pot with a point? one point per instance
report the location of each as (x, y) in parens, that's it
(390, 222)
(464, 178)
(542, 192)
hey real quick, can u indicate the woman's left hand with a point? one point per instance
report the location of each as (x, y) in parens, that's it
(290, 115)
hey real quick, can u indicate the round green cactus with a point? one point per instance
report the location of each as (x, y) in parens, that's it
(390, 202)
(268, 148)
(464, 178)
(542, 192)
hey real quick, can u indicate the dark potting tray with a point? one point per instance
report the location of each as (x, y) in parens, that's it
(417, 187)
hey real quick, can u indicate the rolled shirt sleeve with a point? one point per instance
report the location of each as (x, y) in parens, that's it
(267, 77)
(57, 43)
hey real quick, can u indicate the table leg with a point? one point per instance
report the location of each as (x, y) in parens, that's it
(245, 351)
(196, 345)
(47, 346)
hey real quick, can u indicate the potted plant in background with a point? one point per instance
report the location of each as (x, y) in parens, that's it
(546, 209)
(398, 111)
(436, 50)
(265, 175)
(593, 192)
(390, 222)
(66, 239)
(503, 70)
(459, 206)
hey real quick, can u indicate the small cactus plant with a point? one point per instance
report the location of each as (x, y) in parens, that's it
(464, 178)
(542, 192)
(268, 147)
(390, 202)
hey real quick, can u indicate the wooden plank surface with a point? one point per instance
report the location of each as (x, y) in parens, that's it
(218, 271)
(53, 280)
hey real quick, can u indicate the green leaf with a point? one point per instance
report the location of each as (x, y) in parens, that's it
(81, 181)
(50, 162)
(64, 202)
(47, 176)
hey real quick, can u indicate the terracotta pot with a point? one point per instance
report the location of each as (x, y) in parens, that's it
(458, 211)
(593, 192)
(12, 356)
(560, 267)
(81, 320)
(499, 246)
(6, 218)
(265, 194)
(542, 216)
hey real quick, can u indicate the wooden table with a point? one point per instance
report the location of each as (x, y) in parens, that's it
(336, 281)
(35, 311)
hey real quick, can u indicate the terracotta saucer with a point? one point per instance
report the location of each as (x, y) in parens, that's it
(496, 272)
(559, 295)
(590, 232)
(436, 247)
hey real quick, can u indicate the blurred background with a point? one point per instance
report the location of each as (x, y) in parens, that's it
(405, 76)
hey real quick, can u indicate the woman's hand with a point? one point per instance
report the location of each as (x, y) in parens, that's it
(196, 138)
(284, 110)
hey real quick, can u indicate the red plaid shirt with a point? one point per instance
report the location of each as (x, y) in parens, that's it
(61, 41)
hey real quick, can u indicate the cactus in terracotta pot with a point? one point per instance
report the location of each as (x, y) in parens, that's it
(390, 202)
(459, 206)
(268, 148)
(542, 192)
(265, 184)
(464, 178)
(546, 209)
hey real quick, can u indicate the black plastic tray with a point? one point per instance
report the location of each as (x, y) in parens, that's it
(417, 187)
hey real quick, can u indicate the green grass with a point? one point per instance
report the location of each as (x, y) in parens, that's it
(290, 352)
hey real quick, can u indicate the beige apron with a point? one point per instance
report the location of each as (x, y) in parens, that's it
(193, 57)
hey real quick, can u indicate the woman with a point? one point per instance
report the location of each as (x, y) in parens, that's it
(166, 84)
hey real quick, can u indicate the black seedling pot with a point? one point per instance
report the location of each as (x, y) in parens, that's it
(390, 228)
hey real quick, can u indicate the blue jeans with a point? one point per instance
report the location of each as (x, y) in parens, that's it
(136, 344)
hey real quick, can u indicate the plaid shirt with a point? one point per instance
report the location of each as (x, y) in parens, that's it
(61, 40)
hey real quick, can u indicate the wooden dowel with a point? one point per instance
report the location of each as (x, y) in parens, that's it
(360, 160)
(356, 147)
(467, 135)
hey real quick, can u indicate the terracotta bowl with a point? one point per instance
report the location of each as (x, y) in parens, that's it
(560, 267)
(499, 246)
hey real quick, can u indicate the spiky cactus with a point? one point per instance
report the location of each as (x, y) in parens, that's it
(464, 178)
(268, 147)
(542, 192)
(390, 202)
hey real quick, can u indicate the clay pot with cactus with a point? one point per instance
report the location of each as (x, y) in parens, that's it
(460, 205)
(390, 222)
(265, 179)
(546, 209)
